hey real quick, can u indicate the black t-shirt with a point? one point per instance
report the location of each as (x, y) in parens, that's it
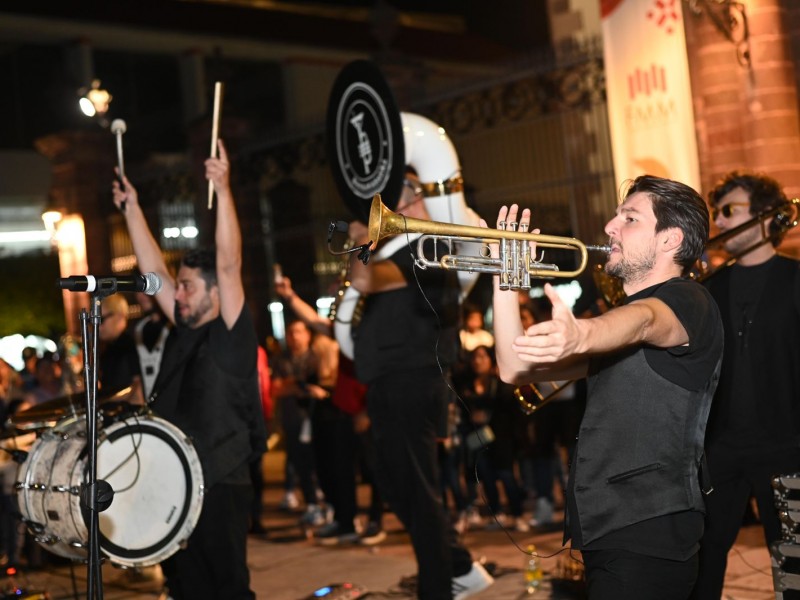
(234, 350)
(743, 422)
(673, 536)
(188, 401)
(414, 327)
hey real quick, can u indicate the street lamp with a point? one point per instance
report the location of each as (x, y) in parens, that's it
(95, 100)
(50, 218)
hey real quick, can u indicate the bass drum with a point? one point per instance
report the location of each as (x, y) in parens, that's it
(157, 481)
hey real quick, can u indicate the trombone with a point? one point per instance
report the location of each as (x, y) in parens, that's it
(515, 265)
(774, 224)
(539, 399)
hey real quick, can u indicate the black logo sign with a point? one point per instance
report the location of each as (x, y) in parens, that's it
(365, 138)
(363, 141)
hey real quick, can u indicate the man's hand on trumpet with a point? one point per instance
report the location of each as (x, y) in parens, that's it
(509, 215)
(545, 342)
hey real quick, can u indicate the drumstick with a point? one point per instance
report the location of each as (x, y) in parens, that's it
(118, 127)
(214, 135)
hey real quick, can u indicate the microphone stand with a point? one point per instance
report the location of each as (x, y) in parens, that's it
(96, 496)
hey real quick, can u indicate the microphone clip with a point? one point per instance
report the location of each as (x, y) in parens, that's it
(364, 252)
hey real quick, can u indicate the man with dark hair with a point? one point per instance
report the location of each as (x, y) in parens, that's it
(634, 500)
(754, 426)
(208, 387)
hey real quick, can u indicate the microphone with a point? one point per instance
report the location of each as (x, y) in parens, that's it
(363, 250)
(149, 283)
(118, 127)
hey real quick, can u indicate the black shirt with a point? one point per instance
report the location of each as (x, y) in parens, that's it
(208, 387)
(414, 327)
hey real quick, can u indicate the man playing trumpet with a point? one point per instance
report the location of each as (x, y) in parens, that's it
(634, 501)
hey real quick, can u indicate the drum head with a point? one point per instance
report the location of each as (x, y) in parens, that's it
(157, 482)
(365, 138)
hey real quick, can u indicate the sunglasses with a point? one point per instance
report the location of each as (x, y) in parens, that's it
(727, 210)
(413, 187)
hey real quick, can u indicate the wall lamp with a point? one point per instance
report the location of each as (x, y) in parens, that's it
(730, 19)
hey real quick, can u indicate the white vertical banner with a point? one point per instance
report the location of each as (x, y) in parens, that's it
(648, 89)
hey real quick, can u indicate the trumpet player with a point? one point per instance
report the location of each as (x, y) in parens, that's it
(754, 426)
(634, 500)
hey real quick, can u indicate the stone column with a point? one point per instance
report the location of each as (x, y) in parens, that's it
(745, 94)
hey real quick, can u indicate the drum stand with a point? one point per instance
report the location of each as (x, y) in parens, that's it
(785, 553)
(96, 496)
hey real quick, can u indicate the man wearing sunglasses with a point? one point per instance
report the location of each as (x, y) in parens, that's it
(754, 425)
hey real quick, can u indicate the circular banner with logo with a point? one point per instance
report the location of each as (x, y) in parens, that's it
(365, 138)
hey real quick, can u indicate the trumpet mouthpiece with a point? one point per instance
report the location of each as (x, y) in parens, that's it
(604, 248)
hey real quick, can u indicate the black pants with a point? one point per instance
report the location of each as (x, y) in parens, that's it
(214, 563)
(407, 411)
(335, 458)
(299, 454)
(367, 459)
(736, 477)
(623, 575)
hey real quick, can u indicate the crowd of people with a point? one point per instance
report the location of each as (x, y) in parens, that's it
(683, 399)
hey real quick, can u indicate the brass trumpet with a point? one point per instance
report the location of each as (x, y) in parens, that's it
(515, 265)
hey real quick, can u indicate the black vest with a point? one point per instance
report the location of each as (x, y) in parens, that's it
(639, 447)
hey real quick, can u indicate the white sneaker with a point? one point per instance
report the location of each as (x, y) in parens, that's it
(544, 513)
(475, 580)
(314, 516)
(521, 525)
(289, 502)
(474, 517)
